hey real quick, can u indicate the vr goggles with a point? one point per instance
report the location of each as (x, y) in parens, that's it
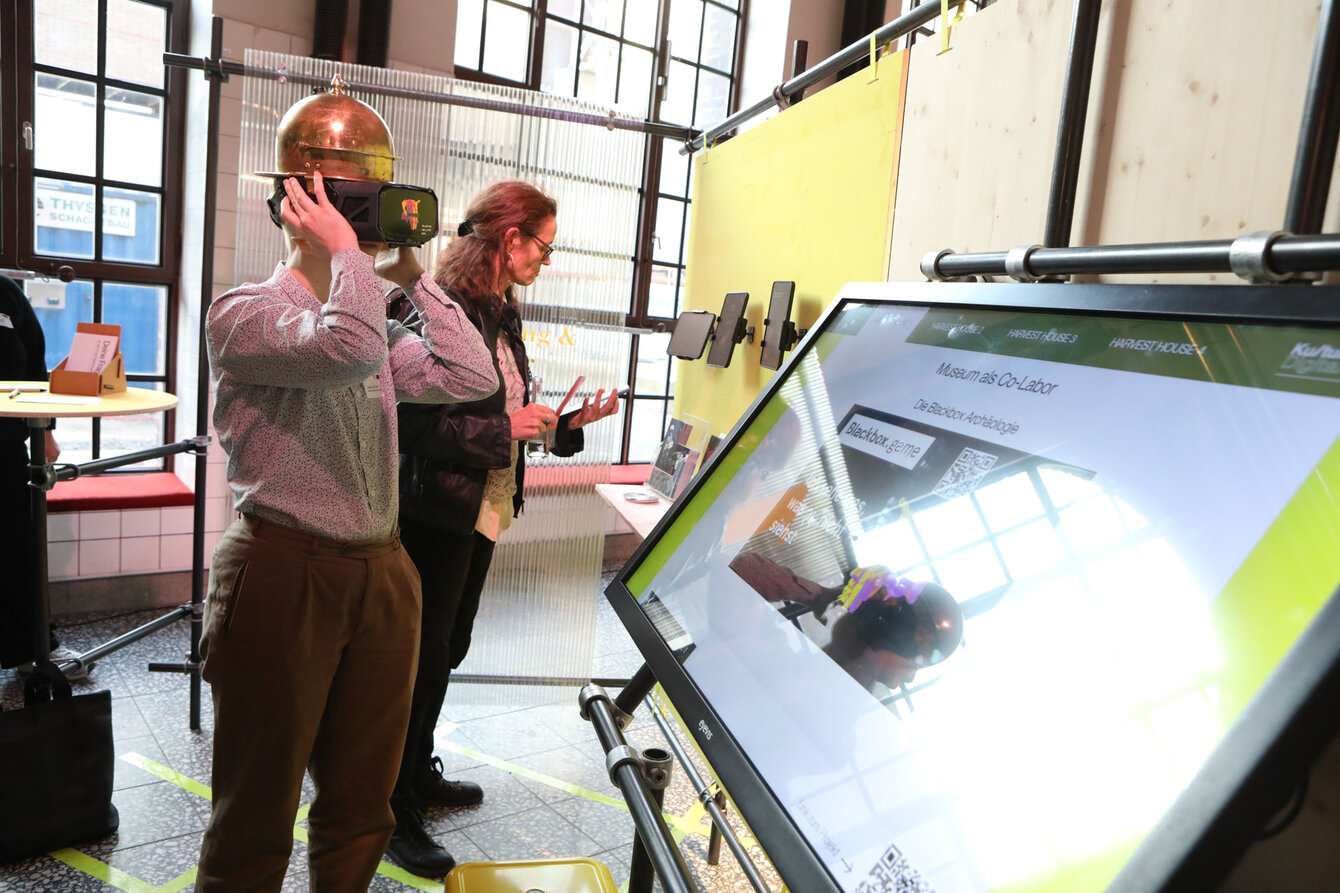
(379, 212)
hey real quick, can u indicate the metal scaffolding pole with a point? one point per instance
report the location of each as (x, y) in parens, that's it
(1320, 129)
(1276, 253)
(904, 24)
(612, 121)
(1070, 129)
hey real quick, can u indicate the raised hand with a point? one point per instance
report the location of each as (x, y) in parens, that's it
(596, 407)
(317, 220)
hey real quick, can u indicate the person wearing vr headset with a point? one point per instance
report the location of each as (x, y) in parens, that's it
(462, 472)
(312, 616)
(884, 628)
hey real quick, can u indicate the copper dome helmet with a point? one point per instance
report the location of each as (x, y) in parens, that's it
(338, 135)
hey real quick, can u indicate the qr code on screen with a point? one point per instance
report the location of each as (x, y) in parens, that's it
(965, 474)
(892, 874)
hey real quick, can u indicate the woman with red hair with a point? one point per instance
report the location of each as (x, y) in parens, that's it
(462, 471)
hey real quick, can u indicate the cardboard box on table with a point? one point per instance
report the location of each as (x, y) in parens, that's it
(111, 380)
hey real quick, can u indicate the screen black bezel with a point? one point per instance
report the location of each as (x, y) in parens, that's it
(723, 343)
(774, 324)
(679, 346)
(1285, 726)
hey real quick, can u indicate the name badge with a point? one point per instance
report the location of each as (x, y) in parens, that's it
(372, 387)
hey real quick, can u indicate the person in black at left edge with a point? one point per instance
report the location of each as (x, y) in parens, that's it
(22, 358)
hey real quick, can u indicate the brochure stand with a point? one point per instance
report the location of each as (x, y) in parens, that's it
(111, 379)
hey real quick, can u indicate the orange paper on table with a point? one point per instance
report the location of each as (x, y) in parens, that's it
(99, 367)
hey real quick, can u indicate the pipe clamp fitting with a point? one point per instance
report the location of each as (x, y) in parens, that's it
(1016, 263)
(591, 692)
(1247, 256)
(620, 755)
(930, 264)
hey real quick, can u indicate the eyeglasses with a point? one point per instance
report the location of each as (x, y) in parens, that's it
(548, 248)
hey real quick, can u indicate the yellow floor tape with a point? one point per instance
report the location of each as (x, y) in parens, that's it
(680, 826)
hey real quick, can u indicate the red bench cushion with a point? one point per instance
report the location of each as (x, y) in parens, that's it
(101, 492)
(630, 474)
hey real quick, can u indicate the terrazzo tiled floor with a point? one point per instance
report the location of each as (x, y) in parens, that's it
(546, 791)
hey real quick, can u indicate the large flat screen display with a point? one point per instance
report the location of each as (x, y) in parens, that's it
(1002, 587)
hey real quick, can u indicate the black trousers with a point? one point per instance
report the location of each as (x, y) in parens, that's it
(18, 558)
(453, 567)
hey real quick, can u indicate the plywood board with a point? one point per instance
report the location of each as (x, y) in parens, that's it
(1192, 127)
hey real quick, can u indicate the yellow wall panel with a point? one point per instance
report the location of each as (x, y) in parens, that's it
(805, 196)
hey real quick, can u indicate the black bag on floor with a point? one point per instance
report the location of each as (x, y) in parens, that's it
(56, 761)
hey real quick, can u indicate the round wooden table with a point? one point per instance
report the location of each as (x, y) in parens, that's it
(29, 404)
(26, 405)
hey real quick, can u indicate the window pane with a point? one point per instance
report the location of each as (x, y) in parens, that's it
(719, 38)
(568, 9)
(128, 433)
(948, 526)
(639, 21)
(65, 34)
(558, 70)
(75, 439)
(507, 41)
(686, 26)
(469, 28)
(669, 230)
(1009, 501)
(64, 125)
(59, 307)
(141, 312)
(130, 226)
(599, 72)
(133, 137)
(677, 107)
(674, 364)
(635, 81)
(63, 218)
(606, 15)
(136, 39)
(674, 169)
(1032, 549)
(648, 425)
(713, 99)
(733, 4)
(653, 366)
(661, 297)
(971, 572)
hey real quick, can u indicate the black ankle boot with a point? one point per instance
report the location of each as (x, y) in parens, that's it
(412, 849)
(432, 789)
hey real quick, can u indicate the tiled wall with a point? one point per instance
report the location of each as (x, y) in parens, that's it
(134, 541)
(145, 541)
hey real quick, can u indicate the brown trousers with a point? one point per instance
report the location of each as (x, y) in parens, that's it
(310, 648)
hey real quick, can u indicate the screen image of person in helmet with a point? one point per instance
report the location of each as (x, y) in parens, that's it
(880, 628)
(311, 625)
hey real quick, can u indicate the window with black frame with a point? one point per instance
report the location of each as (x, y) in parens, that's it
(609, 52)
(96, 188)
